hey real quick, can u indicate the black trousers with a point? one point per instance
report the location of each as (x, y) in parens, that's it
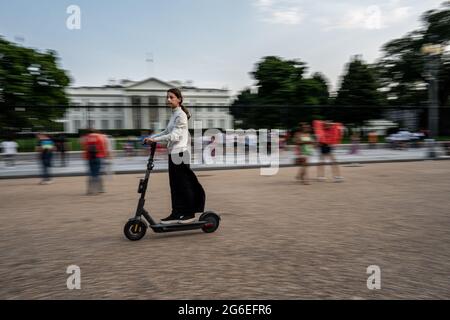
(188, 196)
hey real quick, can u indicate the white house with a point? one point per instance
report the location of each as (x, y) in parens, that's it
(111, 106)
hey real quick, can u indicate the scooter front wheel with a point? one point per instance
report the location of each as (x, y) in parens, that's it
(134, 230)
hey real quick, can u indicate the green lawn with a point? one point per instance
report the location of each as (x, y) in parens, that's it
(29, 144)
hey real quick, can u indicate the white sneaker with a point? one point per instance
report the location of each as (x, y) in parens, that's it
(186, 219)
(338, 179)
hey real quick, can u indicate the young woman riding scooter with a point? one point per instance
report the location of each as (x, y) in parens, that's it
(188, 195)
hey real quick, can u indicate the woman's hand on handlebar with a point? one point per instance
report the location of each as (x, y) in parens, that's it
(149, 140)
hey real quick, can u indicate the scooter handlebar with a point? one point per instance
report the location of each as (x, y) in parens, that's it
(151, 144)
(152, 149)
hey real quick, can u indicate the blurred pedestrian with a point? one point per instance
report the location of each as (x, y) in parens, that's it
(269, 141)
(304, 142)
(212, 146)
(61, 147)
(141, 144)
(9, 151)
(45, 146)
(129, 146)
(355, 139)
(327, 134)
(95, 151)
(373, 139)
(108, 161)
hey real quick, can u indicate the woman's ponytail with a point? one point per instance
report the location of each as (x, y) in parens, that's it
(188, 114)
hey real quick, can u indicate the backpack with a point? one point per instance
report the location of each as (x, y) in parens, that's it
(92, 148)
(92, 151)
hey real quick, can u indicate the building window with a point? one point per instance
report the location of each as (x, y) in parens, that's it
(137, 116)
(222, 124)
(210, 123)
(210, 109)
(152, 100)
(105, 124)
(135, 101)
(118, 124)
(76, 125)
(105, 109)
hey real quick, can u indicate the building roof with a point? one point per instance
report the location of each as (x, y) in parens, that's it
(129, 84)
(148, 80)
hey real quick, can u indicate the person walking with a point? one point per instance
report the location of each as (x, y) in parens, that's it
(304, 142)
(61, 147)
(9, 151)
(95, 151)
(45, 146)
(328, 134)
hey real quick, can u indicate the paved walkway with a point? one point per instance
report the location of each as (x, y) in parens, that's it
(278, 239)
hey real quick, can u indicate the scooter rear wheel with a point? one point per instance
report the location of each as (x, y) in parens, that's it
(134, 230)
(212, 221)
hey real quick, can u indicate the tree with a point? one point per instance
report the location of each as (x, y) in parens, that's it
(243, 109)
(32, 80)
(402, 66)
(358, 90)
(278, 79)
(313, 91)
(401, 71)
(281, 85)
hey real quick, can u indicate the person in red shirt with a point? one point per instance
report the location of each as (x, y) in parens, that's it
(328, 134)
(94, 151)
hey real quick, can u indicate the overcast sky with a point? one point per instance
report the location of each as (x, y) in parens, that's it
(214, 43)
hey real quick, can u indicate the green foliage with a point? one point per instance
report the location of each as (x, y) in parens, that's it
(281, 83)
(402, 66)
(32, 80)
(359, 93)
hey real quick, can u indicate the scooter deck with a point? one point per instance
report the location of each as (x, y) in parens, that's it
(177, 226)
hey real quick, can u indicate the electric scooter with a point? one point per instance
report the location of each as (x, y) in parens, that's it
(137, 226)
